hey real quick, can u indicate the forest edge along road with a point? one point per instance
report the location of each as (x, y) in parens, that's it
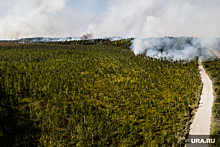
(202, 121)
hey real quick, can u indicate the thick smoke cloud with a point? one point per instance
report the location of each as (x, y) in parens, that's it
(185, 48)
(153, 18)
(33, 18)
(123, 18)
(145, 19)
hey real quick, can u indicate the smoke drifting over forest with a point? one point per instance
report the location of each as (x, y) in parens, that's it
(124, 18)
(177, 48)
(34, 18)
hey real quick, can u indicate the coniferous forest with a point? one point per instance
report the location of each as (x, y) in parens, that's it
(94, 95)
(213, 68)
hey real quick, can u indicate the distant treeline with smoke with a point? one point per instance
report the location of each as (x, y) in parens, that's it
(174, 47)
(122, 42)
(87, 36)
(186, 48)
(209, 55)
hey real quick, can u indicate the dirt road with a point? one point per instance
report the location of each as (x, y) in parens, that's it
(202, 121)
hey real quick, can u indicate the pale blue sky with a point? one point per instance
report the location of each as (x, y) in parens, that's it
(93, 6)
(76, 14)
(106, 18)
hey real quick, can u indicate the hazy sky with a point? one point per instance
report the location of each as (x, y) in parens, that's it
(125, 18)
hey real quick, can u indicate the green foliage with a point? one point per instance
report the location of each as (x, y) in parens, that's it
(213, 68)
(122, 42)
(98, 95)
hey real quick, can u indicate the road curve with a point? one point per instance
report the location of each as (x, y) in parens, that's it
(202, 121)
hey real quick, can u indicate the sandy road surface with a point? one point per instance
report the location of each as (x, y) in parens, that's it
(202, 121)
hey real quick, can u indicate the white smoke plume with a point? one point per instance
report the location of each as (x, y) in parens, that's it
(33, 18)
(152, 18)
(175, 48)
(123, 18)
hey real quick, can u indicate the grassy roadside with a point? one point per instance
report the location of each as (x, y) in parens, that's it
(212, 68)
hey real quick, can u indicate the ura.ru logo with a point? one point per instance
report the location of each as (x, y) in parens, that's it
(203, 140)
